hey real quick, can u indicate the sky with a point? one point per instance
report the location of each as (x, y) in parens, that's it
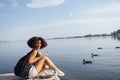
(22, 19)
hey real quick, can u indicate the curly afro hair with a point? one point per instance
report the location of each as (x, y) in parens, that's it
(31, 42)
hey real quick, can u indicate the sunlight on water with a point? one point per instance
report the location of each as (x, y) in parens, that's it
(68, 54)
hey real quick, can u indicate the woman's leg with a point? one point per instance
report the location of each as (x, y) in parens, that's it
(45, 67)
(39, 65)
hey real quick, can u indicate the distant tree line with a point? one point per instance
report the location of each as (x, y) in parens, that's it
(116, 33)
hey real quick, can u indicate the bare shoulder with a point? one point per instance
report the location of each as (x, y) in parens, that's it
(34, 52)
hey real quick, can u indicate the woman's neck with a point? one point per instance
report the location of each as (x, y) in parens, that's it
(36, 49)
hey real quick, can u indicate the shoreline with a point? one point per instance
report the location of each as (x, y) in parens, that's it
(72, 37)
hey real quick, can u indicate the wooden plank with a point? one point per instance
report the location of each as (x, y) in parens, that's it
(11, 76)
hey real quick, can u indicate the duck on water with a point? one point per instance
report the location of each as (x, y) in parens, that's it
(86, 62)
(94, 55)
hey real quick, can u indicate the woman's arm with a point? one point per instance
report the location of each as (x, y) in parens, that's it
(34, 57)
(39, 55)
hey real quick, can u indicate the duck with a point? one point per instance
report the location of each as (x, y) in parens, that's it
(94, 54)
(86, 62)
(99, 48)
(117, 47)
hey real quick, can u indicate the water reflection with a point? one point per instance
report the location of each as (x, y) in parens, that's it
(116, 37)
(68, 55)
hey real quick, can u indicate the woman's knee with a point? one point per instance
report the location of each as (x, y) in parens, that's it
(45, 57)
(46, 66)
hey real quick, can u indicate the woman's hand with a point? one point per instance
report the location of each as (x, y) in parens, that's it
(45, 54)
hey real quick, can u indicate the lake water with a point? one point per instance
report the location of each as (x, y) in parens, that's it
(68, 54)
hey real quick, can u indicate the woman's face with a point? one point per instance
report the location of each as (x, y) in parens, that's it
(38, 44)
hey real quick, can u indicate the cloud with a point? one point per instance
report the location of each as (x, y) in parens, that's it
(82, 22)
(14, 2)
(1, 5)
(44, 3)
(1, 15)
(105, 9)
(71, 14)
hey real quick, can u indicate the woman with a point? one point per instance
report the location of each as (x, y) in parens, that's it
(37, 60)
